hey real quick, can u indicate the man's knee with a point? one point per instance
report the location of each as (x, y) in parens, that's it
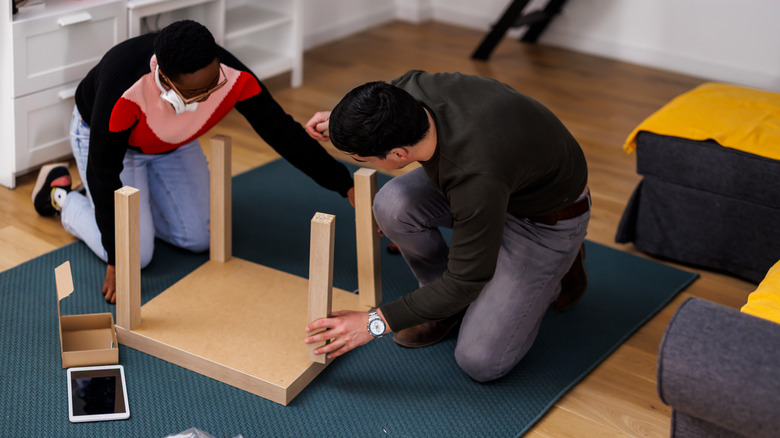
(479, 365)
(390, 205)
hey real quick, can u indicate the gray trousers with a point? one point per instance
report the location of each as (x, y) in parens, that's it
(500, 326)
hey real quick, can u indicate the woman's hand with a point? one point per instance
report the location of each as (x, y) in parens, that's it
(317, 126)
(109, 286)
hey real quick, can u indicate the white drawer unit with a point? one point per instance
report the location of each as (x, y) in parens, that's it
(61, 43)
(43, 125)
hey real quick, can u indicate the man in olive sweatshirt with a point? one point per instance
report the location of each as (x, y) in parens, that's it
(505, 174)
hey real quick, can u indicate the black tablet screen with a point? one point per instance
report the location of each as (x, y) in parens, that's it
(97, 392)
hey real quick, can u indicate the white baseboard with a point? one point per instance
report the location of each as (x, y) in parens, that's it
(414, 11)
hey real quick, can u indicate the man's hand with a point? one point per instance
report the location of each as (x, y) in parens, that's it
(347, 330)
(318, 125)
(109, 286)
(351, 196)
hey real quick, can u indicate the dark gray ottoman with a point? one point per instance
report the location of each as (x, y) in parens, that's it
(704, 205)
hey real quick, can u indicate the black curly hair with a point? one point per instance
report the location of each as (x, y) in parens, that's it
(184, 46)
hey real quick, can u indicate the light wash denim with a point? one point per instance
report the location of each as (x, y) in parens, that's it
(500, 326)
(174, 196)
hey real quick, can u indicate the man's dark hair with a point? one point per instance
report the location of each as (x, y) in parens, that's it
(184, 47)
(376, 117)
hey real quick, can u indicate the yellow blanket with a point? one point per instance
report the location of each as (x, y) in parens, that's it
(736, 117)
(764, 302)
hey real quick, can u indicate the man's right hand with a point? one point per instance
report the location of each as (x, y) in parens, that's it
(109, 286)
(317, 126)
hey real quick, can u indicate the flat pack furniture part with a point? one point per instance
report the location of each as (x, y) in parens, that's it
(367, 237)
(230, 319)
(323, 229)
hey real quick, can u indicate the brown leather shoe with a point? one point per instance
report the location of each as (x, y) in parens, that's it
(427, 333)
(573, 284)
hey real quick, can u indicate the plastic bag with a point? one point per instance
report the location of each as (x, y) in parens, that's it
(194, 432)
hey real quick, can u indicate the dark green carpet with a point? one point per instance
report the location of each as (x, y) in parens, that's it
(379, 390)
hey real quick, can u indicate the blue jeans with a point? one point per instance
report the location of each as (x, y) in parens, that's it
(500, 326)
(174, 196)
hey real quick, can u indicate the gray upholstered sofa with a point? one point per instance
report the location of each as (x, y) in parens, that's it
(719, 369)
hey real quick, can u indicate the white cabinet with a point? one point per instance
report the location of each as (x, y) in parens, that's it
(267, 36)
(55, 45)
(43, 125)
(52, 47)
(151, 15)
(45, 50)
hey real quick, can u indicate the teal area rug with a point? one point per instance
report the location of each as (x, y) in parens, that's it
(379, 390)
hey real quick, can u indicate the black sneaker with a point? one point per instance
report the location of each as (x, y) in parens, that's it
(52, 186)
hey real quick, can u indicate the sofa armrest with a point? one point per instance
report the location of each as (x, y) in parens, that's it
(722, 366)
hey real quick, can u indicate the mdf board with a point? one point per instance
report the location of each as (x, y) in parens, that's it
(232, 320)
(237, 322)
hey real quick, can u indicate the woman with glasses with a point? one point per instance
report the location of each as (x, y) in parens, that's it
(137, 120)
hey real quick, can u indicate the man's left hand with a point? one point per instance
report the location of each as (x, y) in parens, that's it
(346, 330)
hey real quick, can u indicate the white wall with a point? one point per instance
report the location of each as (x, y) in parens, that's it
(329, 20)
(722, 40)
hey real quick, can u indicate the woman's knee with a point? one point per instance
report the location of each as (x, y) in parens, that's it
(147, 251)
(198, 242)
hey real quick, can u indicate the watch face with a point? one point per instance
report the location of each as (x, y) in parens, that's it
(377, 327)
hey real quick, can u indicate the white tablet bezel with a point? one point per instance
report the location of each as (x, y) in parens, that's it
(97, 417)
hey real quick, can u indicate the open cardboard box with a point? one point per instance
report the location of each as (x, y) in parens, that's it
(85, 340)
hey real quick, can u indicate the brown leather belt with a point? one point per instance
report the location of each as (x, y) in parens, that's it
(571, 211)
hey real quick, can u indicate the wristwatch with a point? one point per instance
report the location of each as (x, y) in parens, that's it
(375, 324)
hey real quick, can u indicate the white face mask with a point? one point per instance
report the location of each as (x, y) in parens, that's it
(172, 97)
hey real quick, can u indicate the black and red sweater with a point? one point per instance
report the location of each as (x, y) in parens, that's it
(121, 103)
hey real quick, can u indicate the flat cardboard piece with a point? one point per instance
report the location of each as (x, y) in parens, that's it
(85, 340)
(237, 322)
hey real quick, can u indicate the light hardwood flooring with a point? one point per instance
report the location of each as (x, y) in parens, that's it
(599, 100)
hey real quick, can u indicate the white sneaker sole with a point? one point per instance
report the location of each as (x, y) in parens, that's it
(42, 177)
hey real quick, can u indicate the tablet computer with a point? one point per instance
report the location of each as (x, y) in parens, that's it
(97, 393)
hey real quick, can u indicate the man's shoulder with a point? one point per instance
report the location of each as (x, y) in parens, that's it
(420, 83)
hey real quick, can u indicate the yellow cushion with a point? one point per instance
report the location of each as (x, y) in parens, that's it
(736, 117)
(764, 302)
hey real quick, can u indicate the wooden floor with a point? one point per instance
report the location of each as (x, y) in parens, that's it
(599, 100)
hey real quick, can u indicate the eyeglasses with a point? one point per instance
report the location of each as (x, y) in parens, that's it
(201, 96)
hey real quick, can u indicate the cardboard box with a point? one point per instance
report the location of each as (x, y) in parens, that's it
(84, 339)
